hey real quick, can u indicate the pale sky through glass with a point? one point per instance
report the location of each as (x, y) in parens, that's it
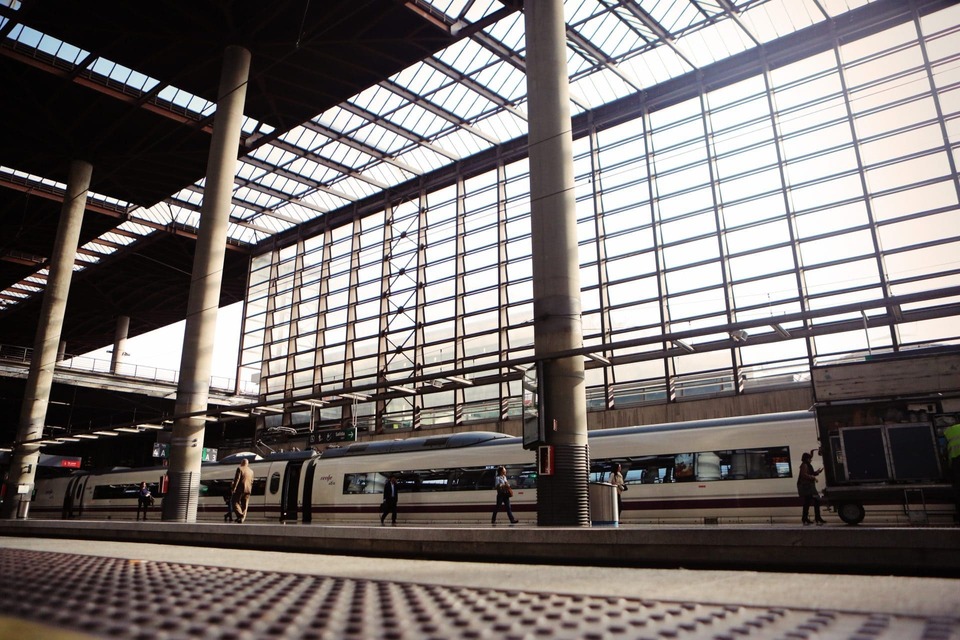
(689, 164)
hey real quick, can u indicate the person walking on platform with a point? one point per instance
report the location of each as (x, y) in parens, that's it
(616, 479)
(952, 434)
(807, 488)
(389, 505)
(241, 490)
(504, 492)
(144, 498)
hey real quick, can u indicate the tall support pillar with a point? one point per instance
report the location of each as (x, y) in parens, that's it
(562, 499)
(186, 443)
(119, 342)
(36, 397)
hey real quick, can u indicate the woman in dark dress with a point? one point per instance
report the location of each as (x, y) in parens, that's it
(807, 488)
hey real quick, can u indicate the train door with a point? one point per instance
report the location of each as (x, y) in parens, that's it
(73, 498)
(288, 492)
(307, 516)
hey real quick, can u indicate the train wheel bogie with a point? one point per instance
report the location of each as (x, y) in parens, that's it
(851, 512)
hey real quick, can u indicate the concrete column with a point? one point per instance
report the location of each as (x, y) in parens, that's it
(186, 443)
(119, 342)
(563, 499)
(36, 397)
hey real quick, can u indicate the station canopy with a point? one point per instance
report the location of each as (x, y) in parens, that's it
(347, 101)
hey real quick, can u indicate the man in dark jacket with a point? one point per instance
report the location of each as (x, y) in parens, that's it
(389, 505)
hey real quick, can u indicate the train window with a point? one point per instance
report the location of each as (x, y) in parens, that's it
(116, 491)
(431, 480)
(275, 482)
(701, 466)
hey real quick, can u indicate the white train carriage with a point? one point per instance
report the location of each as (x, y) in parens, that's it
(723, 470)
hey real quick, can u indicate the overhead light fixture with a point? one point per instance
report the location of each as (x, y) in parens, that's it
(459, 380)
(739, 335)
(683, 345)
(128, 429)
(106, 433)
(312, 403)
(239, 414)
(67, 439)
(157, 427)
(596, 357)
(412, 392)
(271, 409)
(354, 395)
(48, 442)
(779, 329)
(88, 436)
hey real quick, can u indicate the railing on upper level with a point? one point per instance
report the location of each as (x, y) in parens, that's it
(22, 355)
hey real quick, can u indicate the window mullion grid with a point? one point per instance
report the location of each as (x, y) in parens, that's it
(662, 292)
(346, 411)
(295, 293)
(458, 320)
(935, 95)
(792, 225)
(382, 340)
(865, 188)
(419, 303)
(503, 318)
(720, 235)
(323, 307)
(600, 240)
(270, 319)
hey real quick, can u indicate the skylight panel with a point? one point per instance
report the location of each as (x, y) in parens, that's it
(674, 16)
(466, 142)
(345, 155)
(420, 78)
(510, 31)
(133, 227)
(307, 168)
(355, 188)
(507, 123)
(321, 200)
(655, 66)
(424, 159)
(376, 99)
(480, 9)
(502, 124)
(717, 42)
(601, 88)
(505, 80)
(467, 56)
(835, 8)
(84, 258)
(343, 120)
(458, 99)
(576, 13)
(417, 119)
(387, 173)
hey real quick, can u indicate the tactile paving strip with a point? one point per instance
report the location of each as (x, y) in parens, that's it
(141, 600)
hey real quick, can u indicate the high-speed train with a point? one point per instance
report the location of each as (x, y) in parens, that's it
(730, 470)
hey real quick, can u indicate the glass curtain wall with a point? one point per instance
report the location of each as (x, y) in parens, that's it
(828, 181)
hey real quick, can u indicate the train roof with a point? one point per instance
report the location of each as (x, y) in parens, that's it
(429, 443)
(739, 421)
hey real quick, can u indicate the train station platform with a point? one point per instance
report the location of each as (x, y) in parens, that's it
(128, 580)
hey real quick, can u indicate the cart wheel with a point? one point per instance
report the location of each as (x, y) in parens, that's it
(850, 512)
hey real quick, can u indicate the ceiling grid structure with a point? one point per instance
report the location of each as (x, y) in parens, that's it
(445, 82)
